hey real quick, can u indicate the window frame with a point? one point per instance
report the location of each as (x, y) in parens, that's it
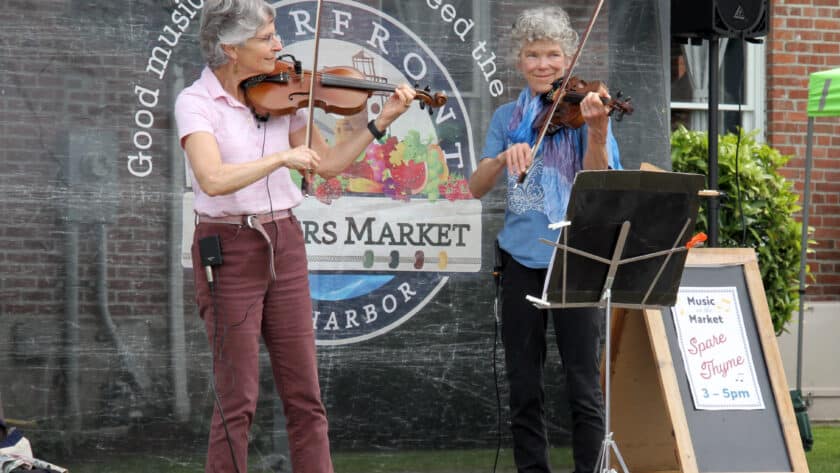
(753, 108)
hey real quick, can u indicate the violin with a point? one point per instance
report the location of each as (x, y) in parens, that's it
(341, 89)
(567, 113)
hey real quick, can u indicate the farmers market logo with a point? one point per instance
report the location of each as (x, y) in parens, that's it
(383, 236)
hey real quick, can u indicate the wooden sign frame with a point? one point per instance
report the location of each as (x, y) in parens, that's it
(648, 416)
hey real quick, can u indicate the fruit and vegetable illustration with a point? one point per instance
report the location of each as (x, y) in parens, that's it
(398, 169)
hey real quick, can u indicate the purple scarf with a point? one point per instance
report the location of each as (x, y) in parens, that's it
(561, 154)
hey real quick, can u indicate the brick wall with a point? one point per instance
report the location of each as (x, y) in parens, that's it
(72, 209)
(805, 38)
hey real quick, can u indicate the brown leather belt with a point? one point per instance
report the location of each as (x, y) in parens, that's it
(254, 221)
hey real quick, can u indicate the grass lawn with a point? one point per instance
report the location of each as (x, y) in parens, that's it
(824, 458)
(444, 461)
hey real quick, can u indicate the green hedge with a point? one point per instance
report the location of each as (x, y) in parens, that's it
(768, 205)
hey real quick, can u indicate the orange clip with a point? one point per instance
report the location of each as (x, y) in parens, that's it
(696, 240)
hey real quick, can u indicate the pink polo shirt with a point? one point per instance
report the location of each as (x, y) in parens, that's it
(206, 106)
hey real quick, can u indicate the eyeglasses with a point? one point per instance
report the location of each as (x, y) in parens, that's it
(268, 38)
(535, 58)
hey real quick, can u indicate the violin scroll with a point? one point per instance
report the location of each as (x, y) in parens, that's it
(623, 106)
(427, 99)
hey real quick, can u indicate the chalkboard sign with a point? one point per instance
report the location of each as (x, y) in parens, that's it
(656, 425)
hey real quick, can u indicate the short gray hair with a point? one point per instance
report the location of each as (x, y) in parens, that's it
(229, 22)
(551, 23)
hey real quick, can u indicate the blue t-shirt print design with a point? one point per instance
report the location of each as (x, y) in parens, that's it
(529, 195)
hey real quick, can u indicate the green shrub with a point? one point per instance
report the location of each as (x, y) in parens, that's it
(768, 204)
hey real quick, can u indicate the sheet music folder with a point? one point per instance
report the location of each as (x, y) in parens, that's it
(627, 232)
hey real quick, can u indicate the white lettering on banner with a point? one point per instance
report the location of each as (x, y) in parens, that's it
(146, 97)
(715, 349)
(456, 155)
(370, 313)
(342, 20)
(414, 66)
(388, 304)
(444, 113)
(351, 319)
(181, 21)
(158, 61)
(462, 26)
(342, 17)
(495, 86)
(448, 13)
(301, 20)
(379, 36)
(406, 291)
(196, 7)
(175, 36)
(140, 162)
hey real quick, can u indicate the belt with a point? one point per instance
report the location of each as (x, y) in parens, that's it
(254, 221)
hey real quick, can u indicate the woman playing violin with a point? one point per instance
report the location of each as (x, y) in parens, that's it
(244, 195)
(544, 43)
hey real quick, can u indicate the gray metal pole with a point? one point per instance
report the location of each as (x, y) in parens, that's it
(714, 91)
(806, 203)
(177, 330)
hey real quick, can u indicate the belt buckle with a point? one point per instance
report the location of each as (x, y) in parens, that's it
(252, 221)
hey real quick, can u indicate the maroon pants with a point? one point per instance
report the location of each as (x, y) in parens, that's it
(247, 306)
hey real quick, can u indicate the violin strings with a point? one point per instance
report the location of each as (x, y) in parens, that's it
(351, 82)
(338, 80)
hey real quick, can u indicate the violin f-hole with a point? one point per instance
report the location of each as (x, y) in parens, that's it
(293, 94)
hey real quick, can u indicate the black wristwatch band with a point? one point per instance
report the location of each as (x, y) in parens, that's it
(375, 131)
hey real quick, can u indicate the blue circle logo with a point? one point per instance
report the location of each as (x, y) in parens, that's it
(383, 237)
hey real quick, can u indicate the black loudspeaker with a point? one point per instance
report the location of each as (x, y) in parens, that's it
(747, 19)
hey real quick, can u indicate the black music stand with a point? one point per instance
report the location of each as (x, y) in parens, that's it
(623, 245)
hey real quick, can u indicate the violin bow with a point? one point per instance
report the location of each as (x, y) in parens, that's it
(307, 175)
(562, 93)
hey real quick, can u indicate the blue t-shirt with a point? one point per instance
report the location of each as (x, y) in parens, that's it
(525, 218)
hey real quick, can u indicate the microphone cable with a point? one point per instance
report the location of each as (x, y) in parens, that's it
(498, 394)
(497, 277)
(264, 121)
(740, 129)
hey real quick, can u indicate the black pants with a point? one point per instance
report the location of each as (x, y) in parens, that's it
(578, 333)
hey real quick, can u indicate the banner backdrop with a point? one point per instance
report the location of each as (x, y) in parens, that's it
(102, 344)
